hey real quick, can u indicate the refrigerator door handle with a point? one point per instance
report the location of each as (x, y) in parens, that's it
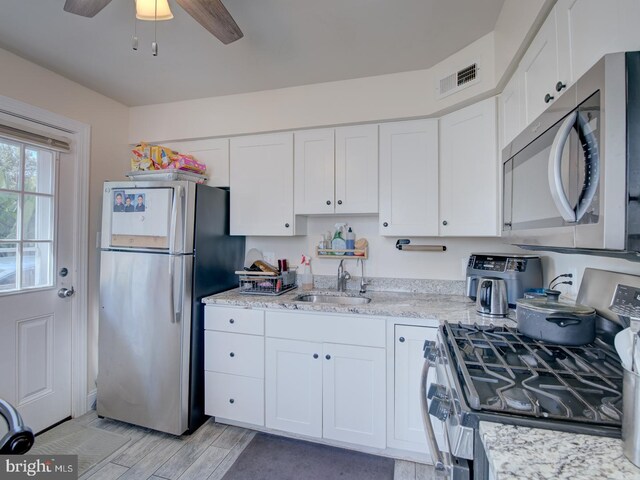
(176, 299)
(177, 205)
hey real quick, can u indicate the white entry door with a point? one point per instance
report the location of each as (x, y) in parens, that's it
(36, 237)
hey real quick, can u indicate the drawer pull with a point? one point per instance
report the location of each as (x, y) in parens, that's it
(315, 355)
(232, 354)
(231, 320)
(328, 357)
(401, 339)
(231, 400)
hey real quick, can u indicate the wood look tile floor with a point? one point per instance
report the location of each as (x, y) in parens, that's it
(205, 455)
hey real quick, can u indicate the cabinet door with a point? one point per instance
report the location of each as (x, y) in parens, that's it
(409, 178)
(314, 171)
(511, 111)
(469, 171)
(540, 69)
(261, 181)
(357, 169)
(293, 386)
(408, 432)
(214, 152)
(354, 393)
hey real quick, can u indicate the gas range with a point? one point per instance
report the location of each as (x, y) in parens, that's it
(496, 374)
(533, 383)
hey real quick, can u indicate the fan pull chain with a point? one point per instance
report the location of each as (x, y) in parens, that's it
(134, 40)
(154, 45)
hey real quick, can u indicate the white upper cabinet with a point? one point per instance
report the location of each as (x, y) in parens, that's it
(261, 184)
(314, 168)
(409, 178)
(336, 170)
(543, 78)
(511, 112)
(469, 171)
(357, 169)
(214, 152)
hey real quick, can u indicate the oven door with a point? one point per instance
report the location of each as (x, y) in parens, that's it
(442, 408)
(551, 185)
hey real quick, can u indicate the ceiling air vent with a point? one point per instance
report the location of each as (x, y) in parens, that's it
(457, 81)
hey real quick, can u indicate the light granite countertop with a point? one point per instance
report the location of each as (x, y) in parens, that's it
(429, 306)
(516, 452)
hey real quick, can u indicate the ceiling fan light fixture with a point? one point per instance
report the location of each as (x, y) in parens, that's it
(146, 10)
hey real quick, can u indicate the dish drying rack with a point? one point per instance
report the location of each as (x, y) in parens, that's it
(266, 283)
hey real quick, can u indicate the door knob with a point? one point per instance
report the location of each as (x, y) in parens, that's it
(548, 98)
(560, 86)
(66, 292)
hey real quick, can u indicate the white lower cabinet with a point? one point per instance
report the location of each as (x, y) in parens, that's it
(408, 432)
(293, 389)
(234, 397)
(323, 389)
(234, 364)
(353, 394)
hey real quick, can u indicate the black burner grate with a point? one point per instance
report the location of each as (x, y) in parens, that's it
(501, 370)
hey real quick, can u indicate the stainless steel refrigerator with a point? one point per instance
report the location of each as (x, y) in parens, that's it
(164, 246)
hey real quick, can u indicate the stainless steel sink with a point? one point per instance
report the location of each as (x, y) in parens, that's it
(319, 298)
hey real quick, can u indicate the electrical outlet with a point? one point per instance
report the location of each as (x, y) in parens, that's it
(572, 290)
(269, 257)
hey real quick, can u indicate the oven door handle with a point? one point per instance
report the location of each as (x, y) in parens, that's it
(555, 169)
(436, 454)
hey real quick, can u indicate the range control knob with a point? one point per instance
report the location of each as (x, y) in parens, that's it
(437, 391)
(440, 408)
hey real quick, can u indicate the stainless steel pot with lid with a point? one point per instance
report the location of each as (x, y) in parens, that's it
(556, 322)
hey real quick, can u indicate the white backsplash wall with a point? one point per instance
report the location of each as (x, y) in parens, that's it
(556, 263)
(384, 259)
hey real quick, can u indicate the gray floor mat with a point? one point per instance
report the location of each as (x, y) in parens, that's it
(92, 445)
(269, 457)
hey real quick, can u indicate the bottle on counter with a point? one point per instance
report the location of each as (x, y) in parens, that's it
(338, 242)
(306, 277)
(350, 241)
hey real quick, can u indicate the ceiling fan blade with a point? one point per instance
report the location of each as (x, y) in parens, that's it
(85, 8)
(213, 16)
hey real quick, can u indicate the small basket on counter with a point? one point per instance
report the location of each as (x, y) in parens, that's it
(265, 283)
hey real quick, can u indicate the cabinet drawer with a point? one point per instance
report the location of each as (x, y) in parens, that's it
(237, 320)
(312, 327)
(234, 397)
(234, 353)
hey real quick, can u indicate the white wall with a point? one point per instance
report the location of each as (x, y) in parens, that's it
(109, 120)
(384, 259)
(383, 97)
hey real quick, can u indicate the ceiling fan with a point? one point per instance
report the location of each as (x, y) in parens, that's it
(211, 14)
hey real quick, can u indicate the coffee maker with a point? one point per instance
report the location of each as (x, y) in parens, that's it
(519, 272)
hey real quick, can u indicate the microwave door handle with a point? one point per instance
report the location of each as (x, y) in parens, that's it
(436, 454)
(592, 167)
(555, 169)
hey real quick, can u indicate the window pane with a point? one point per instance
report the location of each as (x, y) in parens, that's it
(9, 166)
(8, 267)
(8, 216)
(37, 218)
(38, 171)
(36, 265)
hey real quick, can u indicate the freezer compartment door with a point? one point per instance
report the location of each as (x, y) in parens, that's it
(143, 218)
(144, 338)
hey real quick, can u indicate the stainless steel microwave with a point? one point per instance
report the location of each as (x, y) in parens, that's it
(571, 180)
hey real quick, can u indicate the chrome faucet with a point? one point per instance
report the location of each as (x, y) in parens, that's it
(363, 283)
(343, 277)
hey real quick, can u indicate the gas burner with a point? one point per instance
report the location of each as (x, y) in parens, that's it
(505, 372)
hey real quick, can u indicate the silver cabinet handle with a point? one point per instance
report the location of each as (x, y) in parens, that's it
(66, 292)
(555, 169)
